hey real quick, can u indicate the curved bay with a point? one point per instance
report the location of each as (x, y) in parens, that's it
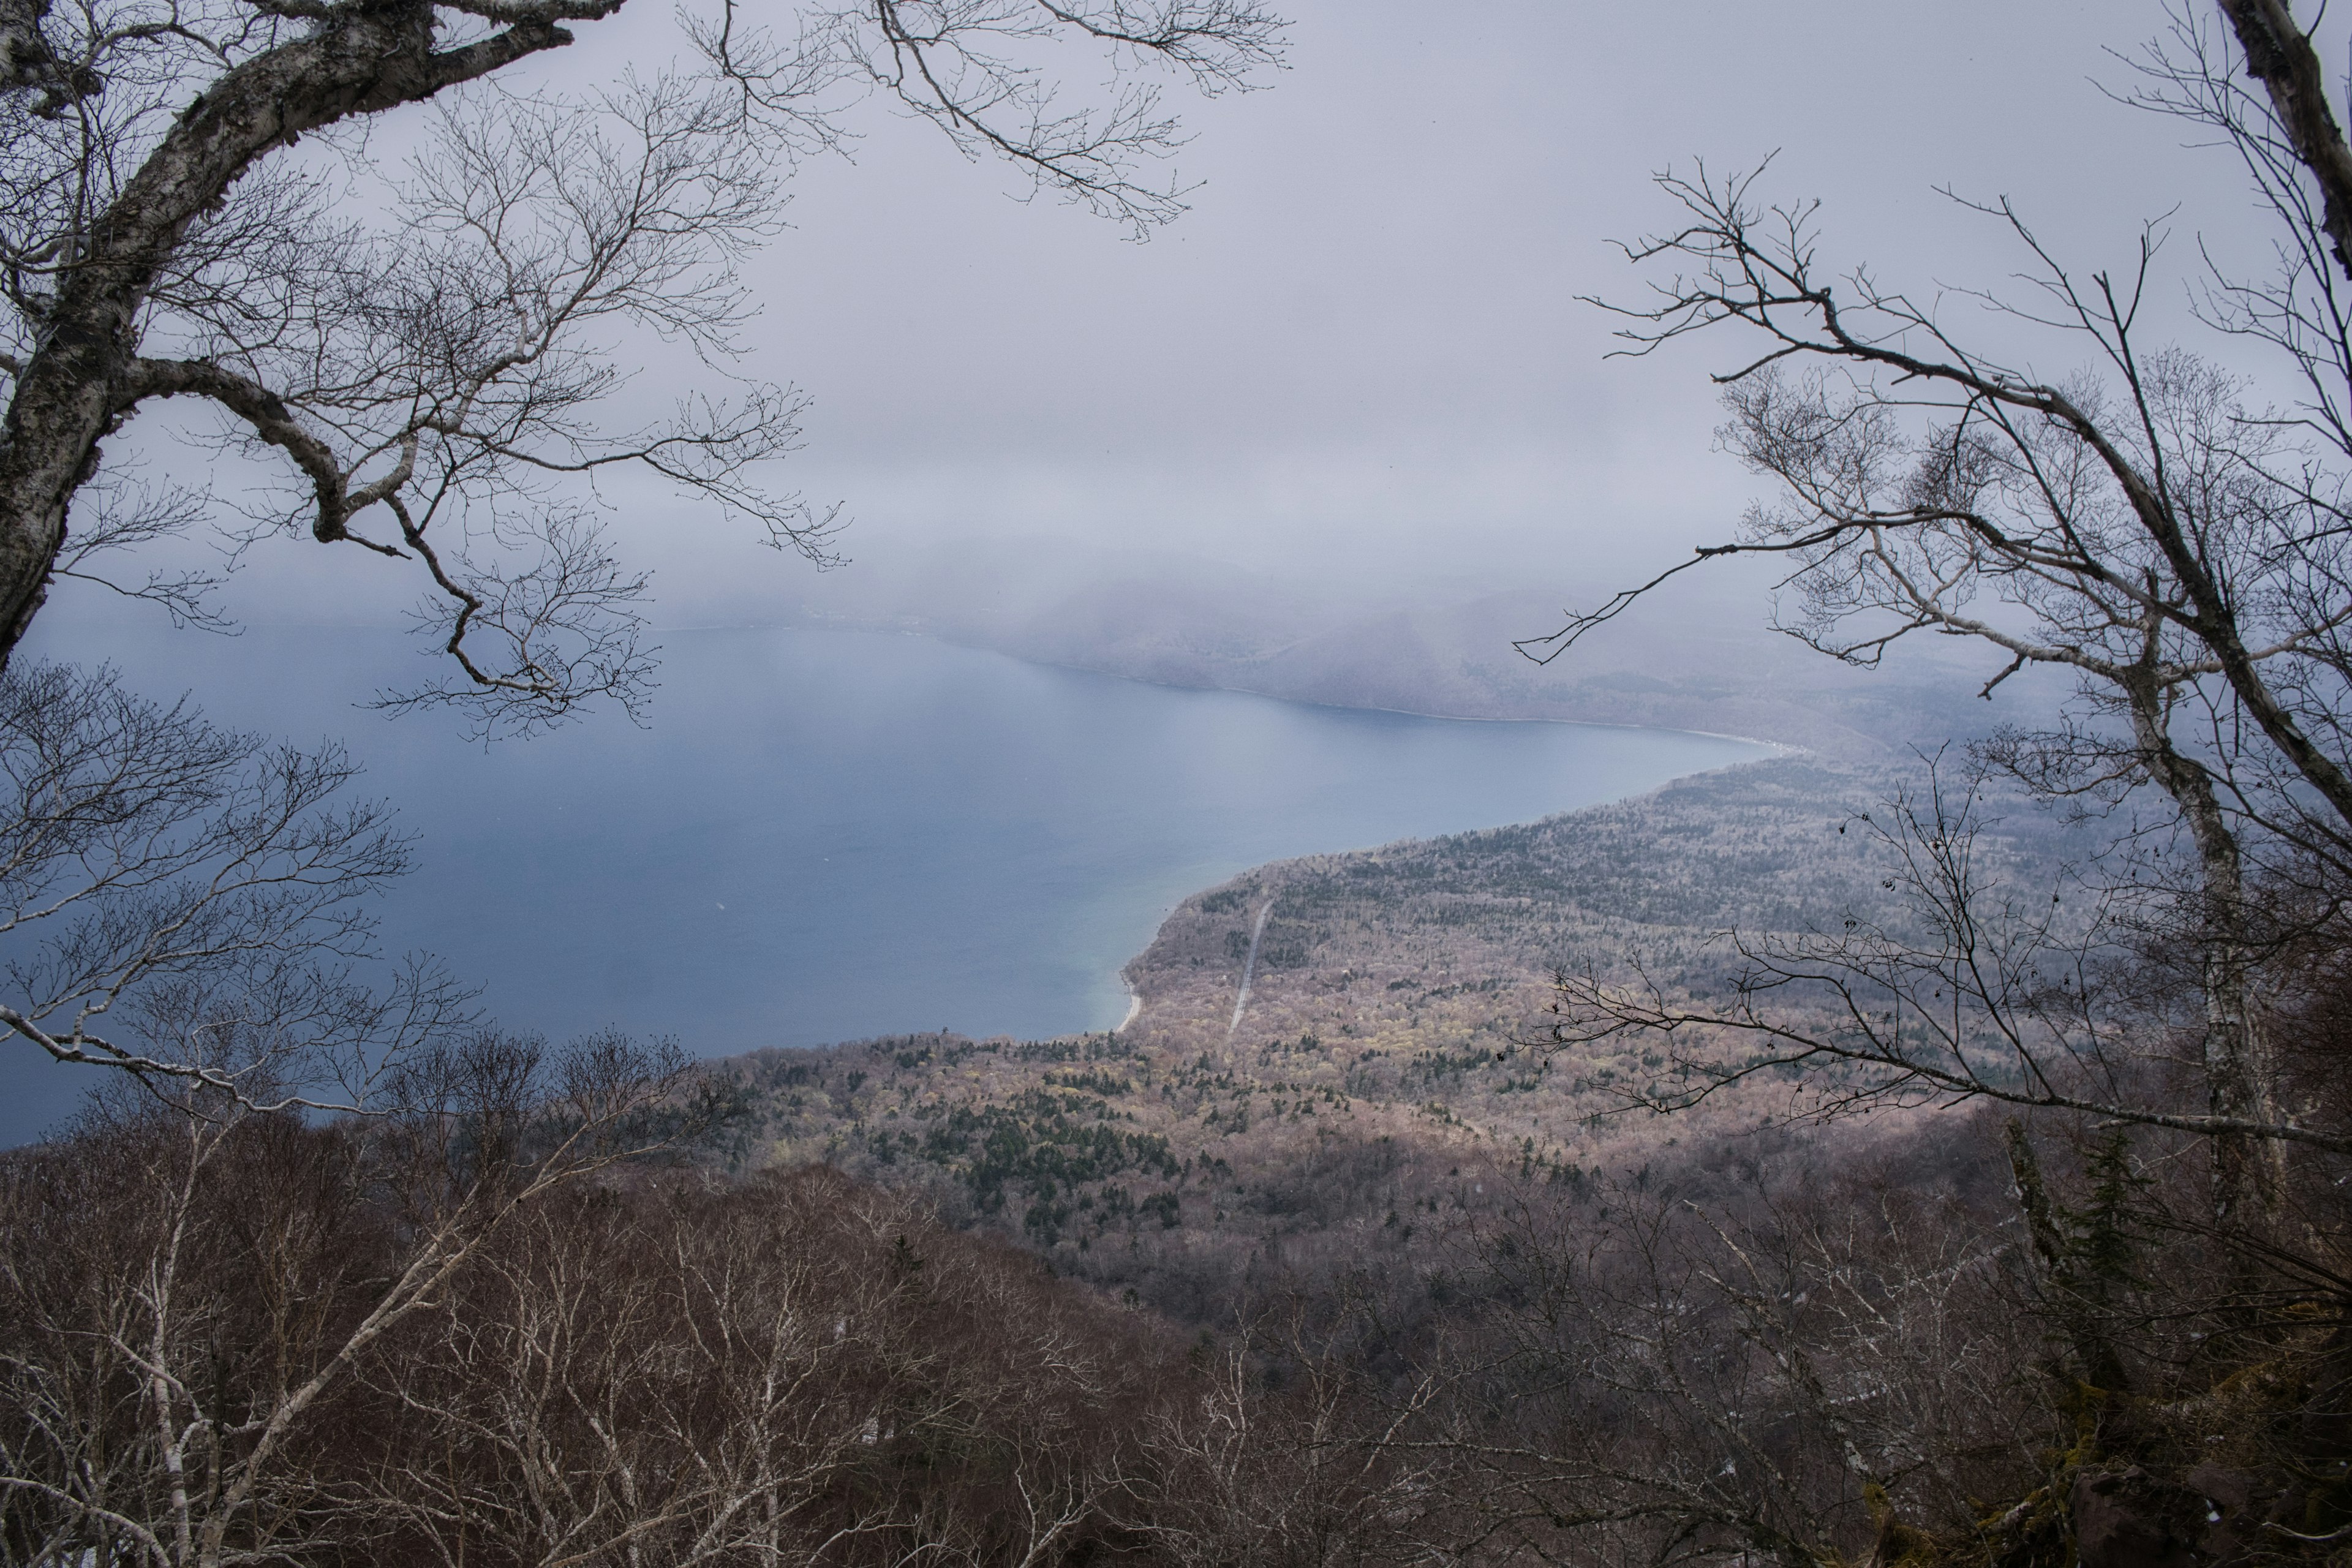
(828, 835)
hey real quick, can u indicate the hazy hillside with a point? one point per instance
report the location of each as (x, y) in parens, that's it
(1701, 656)
(1380, 1066)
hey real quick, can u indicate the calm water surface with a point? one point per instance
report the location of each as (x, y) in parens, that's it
(822, 835)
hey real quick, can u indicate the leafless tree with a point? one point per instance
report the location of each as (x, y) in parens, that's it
(429, 367)
(790, 1368)
(1970, 989)
(608, 1384)
(1803, 1373)
(2152, 525)
(191, 905)
(191, 1286)
(1322, 1468)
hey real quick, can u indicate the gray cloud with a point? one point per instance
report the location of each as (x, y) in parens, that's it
(1365, 336)
(1360, 356)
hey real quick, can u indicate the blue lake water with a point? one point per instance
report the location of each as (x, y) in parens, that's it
(823, 836)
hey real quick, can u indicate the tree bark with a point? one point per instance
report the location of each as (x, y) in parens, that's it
(75, 384)
(2279, 55)
(2094, 1353)
(2237, 1078)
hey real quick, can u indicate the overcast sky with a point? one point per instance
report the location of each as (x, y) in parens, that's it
(1362, 351)
(1360, 354)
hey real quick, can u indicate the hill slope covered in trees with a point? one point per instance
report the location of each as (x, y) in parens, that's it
(1384, 1059)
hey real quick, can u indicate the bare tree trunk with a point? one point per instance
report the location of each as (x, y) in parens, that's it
(2279, 55)
(2237, 1076)
(2095, 1353)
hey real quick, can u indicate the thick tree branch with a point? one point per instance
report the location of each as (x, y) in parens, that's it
(2279, 55)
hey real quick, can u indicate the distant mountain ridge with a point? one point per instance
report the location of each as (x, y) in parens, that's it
(1699, 656)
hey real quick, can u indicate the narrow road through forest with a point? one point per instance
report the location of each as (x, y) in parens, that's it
(1249, 968)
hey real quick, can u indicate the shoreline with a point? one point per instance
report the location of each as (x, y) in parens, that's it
(1776, 750)
(1764, 749)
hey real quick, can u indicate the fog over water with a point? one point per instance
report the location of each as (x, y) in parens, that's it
(1356, 380)
(1361, 356)
(830, 835)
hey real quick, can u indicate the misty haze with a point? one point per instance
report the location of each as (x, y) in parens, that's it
(1012, 783)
